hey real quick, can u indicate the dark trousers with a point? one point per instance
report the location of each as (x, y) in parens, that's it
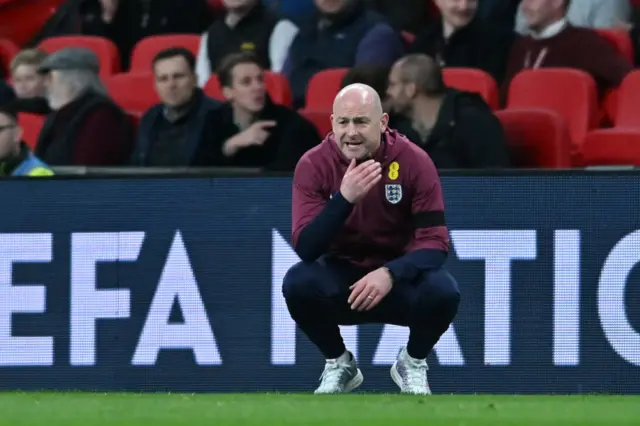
(316, 294)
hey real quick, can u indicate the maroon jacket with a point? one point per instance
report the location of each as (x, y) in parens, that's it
(404, 213)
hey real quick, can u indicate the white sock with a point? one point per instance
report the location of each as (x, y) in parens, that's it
(344, 358)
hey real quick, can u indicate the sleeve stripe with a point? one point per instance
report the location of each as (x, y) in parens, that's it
(430, 219)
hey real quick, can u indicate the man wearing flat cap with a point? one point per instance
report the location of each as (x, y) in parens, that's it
(86, 127)
(16, 159)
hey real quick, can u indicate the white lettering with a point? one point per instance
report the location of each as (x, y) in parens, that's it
(566, 298)
(31, 350)
(497, 249)
(89, 304)
(177, 284)
(611, 298)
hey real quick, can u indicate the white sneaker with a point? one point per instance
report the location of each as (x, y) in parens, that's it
(410, 374)
(340, 375)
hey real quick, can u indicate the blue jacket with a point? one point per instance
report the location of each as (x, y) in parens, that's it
(342, 39)
(151, 120)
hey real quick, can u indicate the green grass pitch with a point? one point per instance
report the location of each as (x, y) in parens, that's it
(93, 409)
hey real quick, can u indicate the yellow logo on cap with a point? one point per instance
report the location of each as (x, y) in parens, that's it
(394, 168)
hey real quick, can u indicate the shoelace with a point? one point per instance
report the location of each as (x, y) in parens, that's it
(331, 375)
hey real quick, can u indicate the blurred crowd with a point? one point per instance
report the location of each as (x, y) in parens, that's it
(399, 49)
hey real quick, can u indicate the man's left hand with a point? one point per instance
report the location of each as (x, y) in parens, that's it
(370, 290)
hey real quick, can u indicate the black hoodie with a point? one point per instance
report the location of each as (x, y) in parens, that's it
(292, 136)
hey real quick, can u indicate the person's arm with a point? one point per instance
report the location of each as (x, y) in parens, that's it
(380, 46)
(203, 66)
(279, 43)
(316, 221)
(429, 246)
(483, 139)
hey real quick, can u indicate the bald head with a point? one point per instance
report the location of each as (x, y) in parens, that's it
(421, 70)
(359, 96)
(358, 121)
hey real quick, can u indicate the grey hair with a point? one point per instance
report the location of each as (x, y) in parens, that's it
(81, 81)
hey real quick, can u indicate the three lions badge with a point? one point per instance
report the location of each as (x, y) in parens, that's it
(393, 191)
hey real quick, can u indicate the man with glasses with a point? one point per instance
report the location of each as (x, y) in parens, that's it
(16, 159)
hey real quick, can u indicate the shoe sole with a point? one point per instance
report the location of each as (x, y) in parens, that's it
(395, 376)
(350, 386)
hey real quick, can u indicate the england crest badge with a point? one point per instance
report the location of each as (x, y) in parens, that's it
(393, 192)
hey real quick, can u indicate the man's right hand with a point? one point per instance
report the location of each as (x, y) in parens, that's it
(358, 180)
(256, 134)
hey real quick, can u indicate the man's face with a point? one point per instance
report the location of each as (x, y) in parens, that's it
(10, 135)
(457, 13)
(247, 89)
(358, 127)
(399, 96)
(331, 7)
(538, 13)
(175, 81)
(58, 89)
(27, 83)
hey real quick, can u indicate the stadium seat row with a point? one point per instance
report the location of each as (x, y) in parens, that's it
(538, 138)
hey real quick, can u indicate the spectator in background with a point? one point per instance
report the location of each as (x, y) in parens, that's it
(374, 76)
(554, 42)
(125, 22)
(584, 13)
(172, 133)
(250, 130)
(27, 82)
(460, 39)
(498, 12)
(85, 127)
(343, 34)
(410, 15)
(247, 26)
(290, 9)
(16, 159)
(457, 129)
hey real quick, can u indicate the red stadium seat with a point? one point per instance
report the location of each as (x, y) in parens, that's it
(216, 5)
(276, 84)
(473, 80)
(620, 39)
(134, 92)
(8, 50)
(319, 118)
(612, 147)
(323, 88)
(146, 49)
(569, 92)
(537, 138)
(628, 107)
(31, 125)
(105, 49)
